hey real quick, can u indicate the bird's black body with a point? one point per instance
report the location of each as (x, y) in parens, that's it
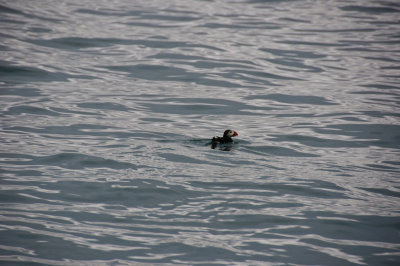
(226, 138)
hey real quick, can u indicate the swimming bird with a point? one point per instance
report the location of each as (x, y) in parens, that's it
(226, 138)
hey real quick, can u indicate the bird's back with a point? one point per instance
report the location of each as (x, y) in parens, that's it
(221, 140)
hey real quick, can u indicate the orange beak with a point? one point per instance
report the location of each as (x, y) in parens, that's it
(235, 134)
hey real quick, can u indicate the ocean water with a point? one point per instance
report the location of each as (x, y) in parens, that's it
(108, 108)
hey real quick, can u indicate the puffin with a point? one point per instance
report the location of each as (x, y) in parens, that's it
(226, 138)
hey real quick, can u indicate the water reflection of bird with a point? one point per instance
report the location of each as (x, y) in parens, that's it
(226, 138)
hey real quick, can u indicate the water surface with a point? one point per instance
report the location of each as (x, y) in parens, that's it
(108, 108)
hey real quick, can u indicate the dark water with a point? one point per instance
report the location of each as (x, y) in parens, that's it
(107, 109)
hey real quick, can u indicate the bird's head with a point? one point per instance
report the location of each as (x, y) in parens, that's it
(230, 133)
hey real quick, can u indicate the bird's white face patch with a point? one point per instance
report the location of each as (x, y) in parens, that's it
(230, 133)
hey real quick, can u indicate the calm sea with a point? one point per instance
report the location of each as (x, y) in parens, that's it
(108, 108)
